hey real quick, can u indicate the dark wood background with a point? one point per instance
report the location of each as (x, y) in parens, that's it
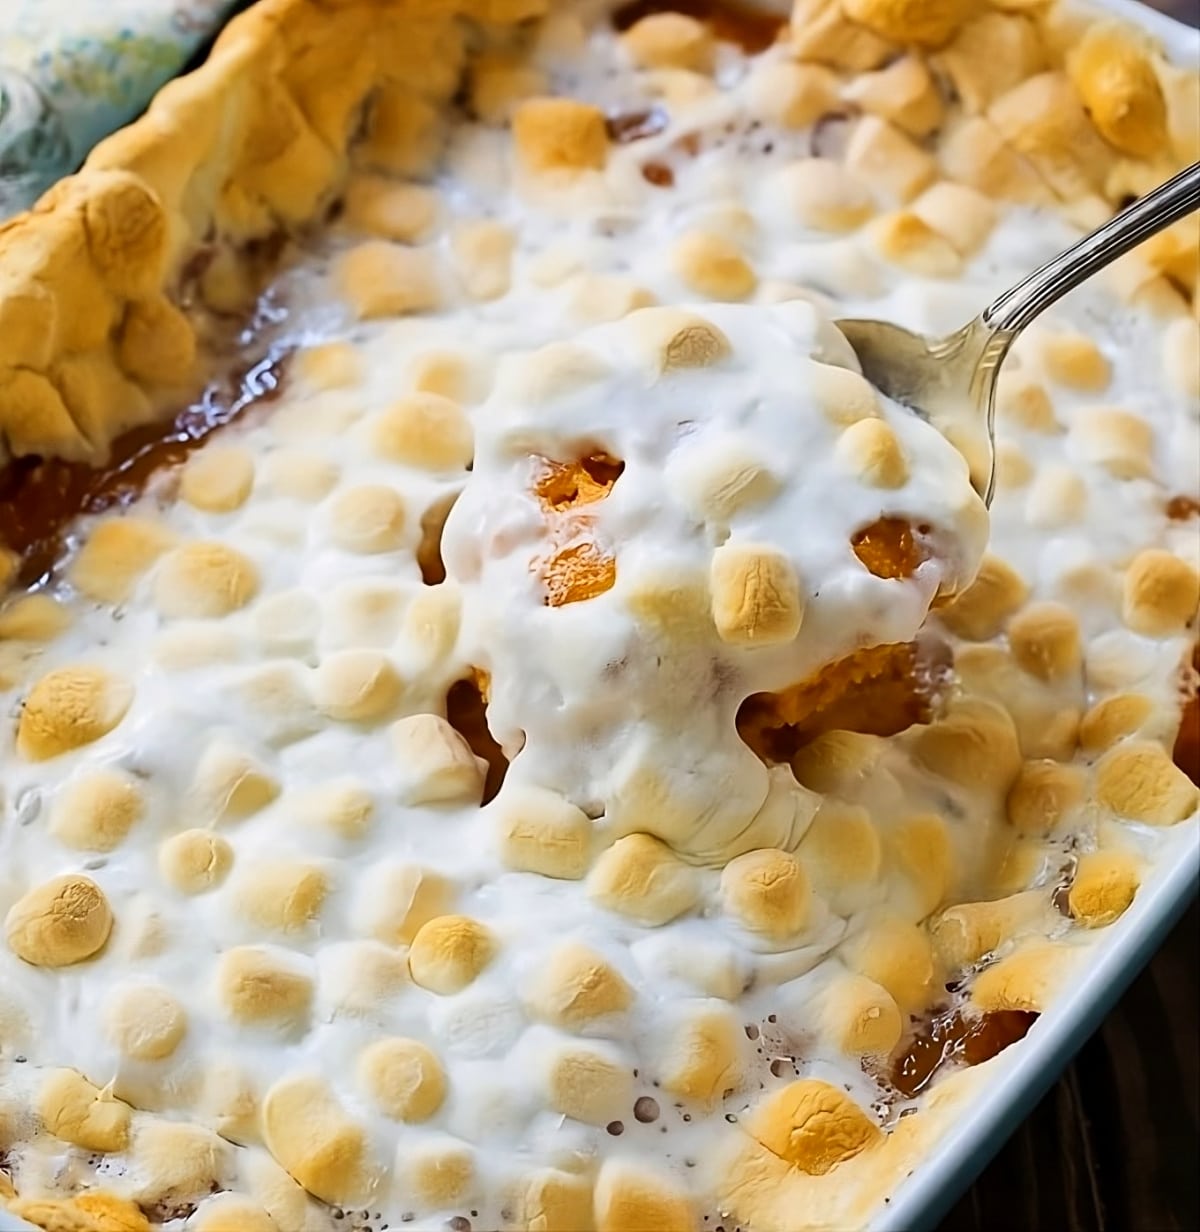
(1113, 1147)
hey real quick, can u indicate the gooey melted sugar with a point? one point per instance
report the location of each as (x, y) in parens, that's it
(42, 497)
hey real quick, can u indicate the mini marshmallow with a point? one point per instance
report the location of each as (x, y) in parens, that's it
(630, 1195)
(702, 1052)
(68, 708)
(381, 279)
(97, 811)
(890, 162)
(144, 1021)
(283, 896)
(767, 892)
(1044, 796)
(115, 555)
(670, 40)
(448, 953)
(204, 580)
(755, 595)
(263, 986)
(1103, 887)
(230, 785)
(1161, 593)
(575, 986)
(540, 832)
(869, 450)
(842, 854)
(308, 1132)
(399, 899)
(589, 1082)
(824, 195)
(965, 933)
(437, 1170)
(367, 519)
(403, 1078)
(559, 135)
(639, 877)
(356, 686)
(392, 211)
(898, 957)
(713, 266)
(434, 763)
(1115, 439)
(82, 1114)
(194, 861)
(62, 921)
(1045, 641)
(982, 610)
(218, 480)
(813, 1126)
(1136, 780)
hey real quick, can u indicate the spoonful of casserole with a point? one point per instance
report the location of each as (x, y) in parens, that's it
(674, 512)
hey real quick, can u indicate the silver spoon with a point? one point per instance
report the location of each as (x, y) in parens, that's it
(951, 381)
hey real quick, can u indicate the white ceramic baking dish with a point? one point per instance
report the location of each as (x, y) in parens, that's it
(1023, 1073)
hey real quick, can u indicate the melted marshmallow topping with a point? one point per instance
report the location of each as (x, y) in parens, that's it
(625, 622)
(269, 961)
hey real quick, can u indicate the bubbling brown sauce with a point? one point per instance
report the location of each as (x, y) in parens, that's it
(41, 497)
(949, 1038)
(752, 29)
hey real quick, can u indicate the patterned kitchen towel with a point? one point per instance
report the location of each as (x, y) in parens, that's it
(71, 71)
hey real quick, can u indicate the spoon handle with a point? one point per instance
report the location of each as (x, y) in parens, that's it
(1015, 308)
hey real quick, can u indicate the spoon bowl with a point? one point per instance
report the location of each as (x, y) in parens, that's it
(951, 381)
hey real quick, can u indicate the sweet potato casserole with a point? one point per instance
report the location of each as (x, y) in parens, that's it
(503, 727)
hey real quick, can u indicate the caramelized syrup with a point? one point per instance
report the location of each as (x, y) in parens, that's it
(629, 126)
(1180, 508)
(948, 1038)
(752, 29)
(688, 145)
(42, 496)
(466, 712)
(1186, 753)
(429, 550)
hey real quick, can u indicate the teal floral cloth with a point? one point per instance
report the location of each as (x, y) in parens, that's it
(71, 71)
